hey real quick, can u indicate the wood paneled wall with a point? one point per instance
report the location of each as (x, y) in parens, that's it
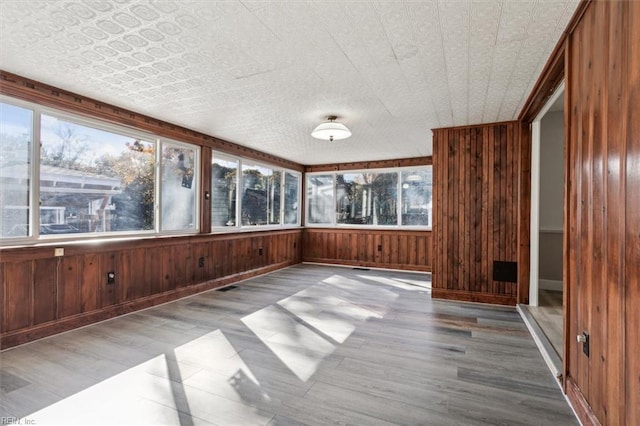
(476, 210)
(602, 213)
(43, 294)
(408, 250)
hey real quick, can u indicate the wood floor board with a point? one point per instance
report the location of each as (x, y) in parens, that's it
(306, 345)
(385, 409)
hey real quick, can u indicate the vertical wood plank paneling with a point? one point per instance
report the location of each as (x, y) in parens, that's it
(395, 250)
(385, 258)
(612, 300)
(69, 301)
(524, 211)
(450, 196)
(484, 241)
(491, 212)
(44, 290)
(421, 250)
(572, 217)
(140, 274)
(475, 191)
(376, 243)
(331, 245)
(465, 211)
(18, 281)
(410, 250)
(179, 256)
(602, 202)
(3, 300)
(631, 190)
(167, 268)
(476, 221)
(89, 284)
(584, 169)
(502, 206)
(124, 273)
(200, 273)
(108, 292)
(510, 207)
(439, 227)
(598, 297)
(54, 293)
(216, 252)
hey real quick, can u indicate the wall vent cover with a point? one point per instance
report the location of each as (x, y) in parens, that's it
(505, 271)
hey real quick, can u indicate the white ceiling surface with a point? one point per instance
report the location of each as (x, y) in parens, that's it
(263, 74)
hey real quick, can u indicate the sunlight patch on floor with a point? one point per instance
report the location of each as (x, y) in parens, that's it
(303, 329)
(159, 392)
(332, 316)
(417, 285)
(297, 346)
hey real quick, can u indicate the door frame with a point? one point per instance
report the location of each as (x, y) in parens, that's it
(534, 261)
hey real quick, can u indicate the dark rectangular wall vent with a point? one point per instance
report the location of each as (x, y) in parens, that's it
(227, 288)
(505, 271)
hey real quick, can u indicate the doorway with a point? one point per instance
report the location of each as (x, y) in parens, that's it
(545, 309)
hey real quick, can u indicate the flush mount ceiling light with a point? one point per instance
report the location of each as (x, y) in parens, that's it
(331, 130)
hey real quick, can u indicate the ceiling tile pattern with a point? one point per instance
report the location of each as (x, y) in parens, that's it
(264, 73)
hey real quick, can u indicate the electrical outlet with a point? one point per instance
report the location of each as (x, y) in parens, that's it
(58, 251)
(201, 262)
(111, 277)
(584, 339)
(260, 251)
(585, 344)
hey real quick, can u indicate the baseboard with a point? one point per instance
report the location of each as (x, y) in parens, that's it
(553, 285)
(580, 406)
(364, 264)
(471, 296)
(379, 268)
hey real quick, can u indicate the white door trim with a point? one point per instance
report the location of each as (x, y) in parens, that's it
(535, 197)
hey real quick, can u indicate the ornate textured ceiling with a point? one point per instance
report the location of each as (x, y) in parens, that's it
(263, 74)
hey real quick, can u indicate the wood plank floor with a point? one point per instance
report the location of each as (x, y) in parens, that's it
(309, 344)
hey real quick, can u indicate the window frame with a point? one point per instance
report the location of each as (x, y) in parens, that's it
(239, 227)
(34, 236)
(334, 223)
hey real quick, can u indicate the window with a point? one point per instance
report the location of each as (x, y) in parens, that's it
(255, 194)
(224, 185)
(15, 170)
(398, 197)
(92, 178)
(291, 196)
(416, 197)
(320, 199)
(179, 210)
(268, 196)
(367, 198)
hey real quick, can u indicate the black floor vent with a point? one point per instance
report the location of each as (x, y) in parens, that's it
(231, 287)
(361, 269)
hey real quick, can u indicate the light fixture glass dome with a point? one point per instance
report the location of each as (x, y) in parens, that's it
(331, 130)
